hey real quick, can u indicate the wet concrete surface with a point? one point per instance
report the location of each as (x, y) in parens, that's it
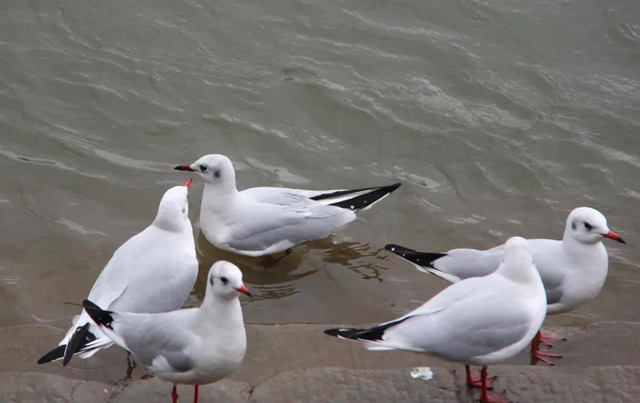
(298, 363)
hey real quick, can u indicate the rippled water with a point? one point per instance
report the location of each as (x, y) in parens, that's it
(499, 117)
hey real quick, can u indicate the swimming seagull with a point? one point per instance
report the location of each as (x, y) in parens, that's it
(266, 220)
(476, 321)
(194, 346)
(154, 271)
(573, 269)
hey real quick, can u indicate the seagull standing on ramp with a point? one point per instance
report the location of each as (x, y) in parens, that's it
(194, 346)
(152, 272)
(477, 321)
(266, 220)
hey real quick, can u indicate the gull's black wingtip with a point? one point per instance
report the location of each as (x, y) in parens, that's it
(53, 355)
(342, 332)
(99, 315)
(392, 247)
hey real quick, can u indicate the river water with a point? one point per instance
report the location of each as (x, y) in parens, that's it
(498, 117)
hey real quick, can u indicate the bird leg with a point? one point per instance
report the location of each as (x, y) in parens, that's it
(490, 398)
(130, 367)
(547, 338)
(174, 393)
(542, 355)
(474, 379)
(195, 394)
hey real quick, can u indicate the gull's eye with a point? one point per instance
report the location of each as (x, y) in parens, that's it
(588, 226)
(203, 168)
(224, 280)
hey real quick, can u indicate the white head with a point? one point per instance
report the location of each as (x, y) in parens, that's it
(173, 211)
(225, 281)
(517, 263)
(588, 226)
(216, 170)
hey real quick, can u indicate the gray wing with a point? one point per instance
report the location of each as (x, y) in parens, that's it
(472, 326)
(261, 225)
(467, 263)
(159, 341)
(164, 272)
(552, 266)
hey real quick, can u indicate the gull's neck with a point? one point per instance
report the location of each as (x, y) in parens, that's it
(223, 314)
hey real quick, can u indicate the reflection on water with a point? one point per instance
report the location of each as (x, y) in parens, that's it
(276, 276)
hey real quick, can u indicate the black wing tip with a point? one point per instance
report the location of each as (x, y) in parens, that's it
(342, 332)
(99, 315)
(53, 355)
(424, 259)
(76, 342)
(394, 186)
(372, 334)
(364, 201)
(392, 247)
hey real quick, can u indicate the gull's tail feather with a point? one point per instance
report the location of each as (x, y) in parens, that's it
(424, 261)
(356, 200)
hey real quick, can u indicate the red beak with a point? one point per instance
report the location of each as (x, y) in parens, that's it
(243, 289)
(614, 236)
(184, 167)
(188, 183)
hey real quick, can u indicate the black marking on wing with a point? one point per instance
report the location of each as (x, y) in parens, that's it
(80, 338)
(53, 355)
(358, 203)
(100, 316)
(372, 334)
(424, 259)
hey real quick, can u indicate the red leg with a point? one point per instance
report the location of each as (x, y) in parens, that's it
(474, 381)
(195, 394)
(548, 338)
(487, 398)
(174, 394)
(542, 355)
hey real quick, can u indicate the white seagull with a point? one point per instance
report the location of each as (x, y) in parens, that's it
(154, 271)
(194, 346)
(477, 321)
(573, 269)
(266, 220)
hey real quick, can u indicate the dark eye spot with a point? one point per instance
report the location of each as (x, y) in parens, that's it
(203, 168)
(184, 210)
(588, 226)
(573, 225)
(216, 173)
(224, 280)
(211, 281)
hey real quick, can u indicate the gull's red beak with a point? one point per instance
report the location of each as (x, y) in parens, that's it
(184, 167)
(187, 184)
(614, 236)
(243, 289)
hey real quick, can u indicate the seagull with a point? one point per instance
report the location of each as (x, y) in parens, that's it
(194, 346)
(266, 220)
(476, 321)
(152, 272)
(573, 269)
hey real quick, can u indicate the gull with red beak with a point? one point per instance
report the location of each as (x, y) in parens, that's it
(266, 220)
(573, 270)
(195, 346)
(152, 272)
